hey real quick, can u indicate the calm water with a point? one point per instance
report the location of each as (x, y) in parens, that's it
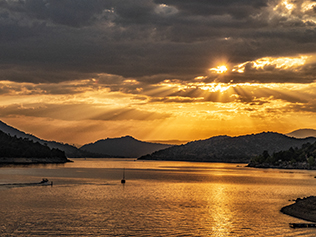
(158, 199)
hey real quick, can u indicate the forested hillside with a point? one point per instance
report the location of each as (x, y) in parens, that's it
(300, 158)
(13, 147)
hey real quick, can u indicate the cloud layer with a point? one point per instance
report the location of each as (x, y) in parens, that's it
(151, 60)
(53, 41)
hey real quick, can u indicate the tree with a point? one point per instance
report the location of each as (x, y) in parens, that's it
(265, 154)
(311, 161)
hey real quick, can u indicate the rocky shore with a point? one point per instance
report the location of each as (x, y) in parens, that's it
(18, 161)
(284, 165)
(303, 208)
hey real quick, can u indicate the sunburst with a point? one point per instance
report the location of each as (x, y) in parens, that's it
(219, 69)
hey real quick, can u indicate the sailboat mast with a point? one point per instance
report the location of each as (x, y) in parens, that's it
(123, 180)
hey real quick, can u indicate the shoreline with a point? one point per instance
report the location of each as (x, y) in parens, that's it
(296, 166)
(30, 161)
(303, 208)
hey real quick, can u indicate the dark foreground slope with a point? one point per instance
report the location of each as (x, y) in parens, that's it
(23, 150)
(123, 147)
(229, 149)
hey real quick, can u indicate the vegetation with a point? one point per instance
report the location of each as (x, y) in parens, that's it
(303, 158)
(13, 147)
(122, 147)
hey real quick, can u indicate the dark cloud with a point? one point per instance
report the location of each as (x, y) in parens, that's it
(73, 13)
(237, 9)
(54, 41)
(307, 107)
(43, 73)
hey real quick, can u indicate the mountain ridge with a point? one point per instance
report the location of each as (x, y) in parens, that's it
(302, 133)
(120, 144)
(228, 149)
(221, 148)
(126, 146)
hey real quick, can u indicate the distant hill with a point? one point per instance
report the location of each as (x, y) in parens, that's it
(27, 151)
(70, 151)
(302, 133)
(123, 147)
(229, 149)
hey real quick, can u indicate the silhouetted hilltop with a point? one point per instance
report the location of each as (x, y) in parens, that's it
(70, 151)
(302, 133)
(170, 142)
(229, 149)
(13, 147)
(123, 147)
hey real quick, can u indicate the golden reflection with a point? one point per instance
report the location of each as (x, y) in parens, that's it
(284, 4)
(220, 210)
(200, 78)
(216, 199)
(297, 10)
(307, 6)
(132, 82)
(288, 5)
(279, 63)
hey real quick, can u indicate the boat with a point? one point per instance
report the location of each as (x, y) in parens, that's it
(123, 180)
(45, 182)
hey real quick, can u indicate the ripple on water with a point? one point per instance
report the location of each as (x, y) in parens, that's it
(214, 201)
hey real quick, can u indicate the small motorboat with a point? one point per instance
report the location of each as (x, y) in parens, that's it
(44, 181)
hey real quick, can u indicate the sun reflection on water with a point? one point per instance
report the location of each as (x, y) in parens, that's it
(221, 215)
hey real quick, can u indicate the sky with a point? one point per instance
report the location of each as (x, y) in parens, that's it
(77, 71)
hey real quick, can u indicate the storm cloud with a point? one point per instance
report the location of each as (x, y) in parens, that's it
(54, 41)
(177, 69)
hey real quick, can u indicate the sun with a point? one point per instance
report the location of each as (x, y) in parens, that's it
(222, 68)
(219, 69)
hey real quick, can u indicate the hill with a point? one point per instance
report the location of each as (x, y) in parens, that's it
(23, 150)
(302, 133)
(123, 147)
(70, 151)
(229, 149)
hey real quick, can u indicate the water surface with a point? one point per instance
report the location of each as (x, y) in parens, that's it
(158, 199)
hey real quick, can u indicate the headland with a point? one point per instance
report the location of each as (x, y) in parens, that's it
(303, 208)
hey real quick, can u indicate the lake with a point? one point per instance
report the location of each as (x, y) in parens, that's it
(159, 198)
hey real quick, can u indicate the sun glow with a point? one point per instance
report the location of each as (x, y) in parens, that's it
(184, 108)
(214, 87)
(308, 5)
(284, 4)
(219, 69)
(288, 5)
